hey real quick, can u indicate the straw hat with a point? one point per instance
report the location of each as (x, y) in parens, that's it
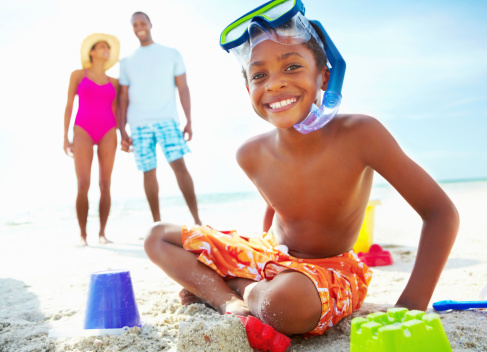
(94, 38)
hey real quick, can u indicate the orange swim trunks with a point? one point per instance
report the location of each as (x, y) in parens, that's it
(341, 281)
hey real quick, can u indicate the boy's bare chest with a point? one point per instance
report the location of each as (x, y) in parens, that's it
(328, 182)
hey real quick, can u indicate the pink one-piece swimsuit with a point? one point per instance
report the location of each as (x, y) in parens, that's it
(95, 114)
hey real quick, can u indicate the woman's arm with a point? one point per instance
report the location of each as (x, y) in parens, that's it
(73, 86)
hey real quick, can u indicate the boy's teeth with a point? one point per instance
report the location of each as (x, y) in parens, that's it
(280, 104)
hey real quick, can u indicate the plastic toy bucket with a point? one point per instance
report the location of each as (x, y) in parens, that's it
(111, 301)
(366, 235)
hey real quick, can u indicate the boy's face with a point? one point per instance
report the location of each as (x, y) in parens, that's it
(283, 82)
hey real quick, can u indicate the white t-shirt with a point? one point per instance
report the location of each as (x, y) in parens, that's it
(150, 75)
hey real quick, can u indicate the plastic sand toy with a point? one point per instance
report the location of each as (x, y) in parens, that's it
(366, 234)
(111, 302)
(263, 337)
(460, 305)
(376, 256)
(399, 330)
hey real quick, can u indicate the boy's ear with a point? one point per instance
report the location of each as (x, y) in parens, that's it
(247, 86)
(325, 75)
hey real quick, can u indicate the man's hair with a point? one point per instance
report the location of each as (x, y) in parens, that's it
(141, 13)
(318, 52)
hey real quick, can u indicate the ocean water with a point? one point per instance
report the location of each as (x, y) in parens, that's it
(15, 214)
(222, 209)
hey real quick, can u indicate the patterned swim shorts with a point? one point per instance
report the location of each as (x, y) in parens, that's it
(166, 134)
(341, 281)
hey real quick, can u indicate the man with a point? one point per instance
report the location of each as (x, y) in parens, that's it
(148, 81)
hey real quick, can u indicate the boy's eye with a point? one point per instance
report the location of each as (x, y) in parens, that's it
(257, 76)
(293, 67)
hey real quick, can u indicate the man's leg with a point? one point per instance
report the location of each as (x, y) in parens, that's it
(151, 187)
(185, 182)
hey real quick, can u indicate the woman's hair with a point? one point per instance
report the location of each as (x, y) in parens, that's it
(93, 47)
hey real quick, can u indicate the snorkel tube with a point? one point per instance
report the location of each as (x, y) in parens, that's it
(320, 116)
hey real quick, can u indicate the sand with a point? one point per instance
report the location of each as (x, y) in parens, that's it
(44, 281)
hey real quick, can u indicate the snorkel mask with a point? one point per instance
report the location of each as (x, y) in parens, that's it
(283, 21)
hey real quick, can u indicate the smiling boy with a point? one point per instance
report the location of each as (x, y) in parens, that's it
(302, 276)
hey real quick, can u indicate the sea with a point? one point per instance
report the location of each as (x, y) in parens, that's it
(220, 208)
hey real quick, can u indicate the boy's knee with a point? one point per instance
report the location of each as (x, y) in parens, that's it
(292, 308)
(154, 238)
(159, 236)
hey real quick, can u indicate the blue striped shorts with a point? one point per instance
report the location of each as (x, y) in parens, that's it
(166, 134)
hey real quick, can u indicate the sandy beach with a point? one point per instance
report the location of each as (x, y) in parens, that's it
(44, 277)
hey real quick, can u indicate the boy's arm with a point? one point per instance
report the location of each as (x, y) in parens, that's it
(185, 99)
(439, 215)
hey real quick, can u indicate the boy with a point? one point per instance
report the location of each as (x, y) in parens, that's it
(302, 276)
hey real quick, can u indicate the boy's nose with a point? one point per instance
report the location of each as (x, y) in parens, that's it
(275, 82)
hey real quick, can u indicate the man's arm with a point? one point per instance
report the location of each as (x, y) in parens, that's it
(124, 103)
(185, 99)
(438, 213)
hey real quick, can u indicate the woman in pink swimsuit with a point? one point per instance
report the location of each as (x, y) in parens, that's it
(95, 124)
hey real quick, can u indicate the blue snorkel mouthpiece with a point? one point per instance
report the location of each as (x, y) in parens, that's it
(332, 98)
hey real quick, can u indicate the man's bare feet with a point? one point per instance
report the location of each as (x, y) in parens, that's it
(103, 240)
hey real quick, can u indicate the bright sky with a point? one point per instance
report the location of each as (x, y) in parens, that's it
(417, 66)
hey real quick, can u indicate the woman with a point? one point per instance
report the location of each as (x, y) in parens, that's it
(95, 124)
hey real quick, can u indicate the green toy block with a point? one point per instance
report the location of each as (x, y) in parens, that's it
(399, 330)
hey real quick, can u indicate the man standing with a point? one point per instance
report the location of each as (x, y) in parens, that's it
(148, 81)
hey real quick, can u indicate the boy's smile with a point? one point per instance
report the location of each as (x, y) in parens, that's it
(283, 82)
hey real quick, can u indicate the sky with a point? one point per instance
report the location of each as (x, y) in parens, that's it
(418, 66)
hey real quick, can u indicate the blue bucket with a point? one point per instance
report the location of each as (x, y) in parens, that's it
(111, 301)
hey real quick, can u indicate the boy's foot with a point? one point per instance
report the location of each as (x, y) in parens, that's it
(237, 307)
(189, 298)
(82, 242)
(103, 240)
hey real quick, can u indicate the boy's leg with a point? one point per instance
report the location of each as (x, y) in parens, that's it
(107, 148)
(186, 185)
(289, 302)
(83, 157)
(163, 246)
(151, 187)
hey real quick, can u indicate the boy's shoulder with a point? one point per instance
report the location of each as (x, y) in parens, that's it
(353, 121)
(355, 126)
(253, 147)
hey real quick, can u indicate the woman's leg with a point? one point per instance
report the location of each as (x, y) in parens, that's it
(107, 148)
(83, 157)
